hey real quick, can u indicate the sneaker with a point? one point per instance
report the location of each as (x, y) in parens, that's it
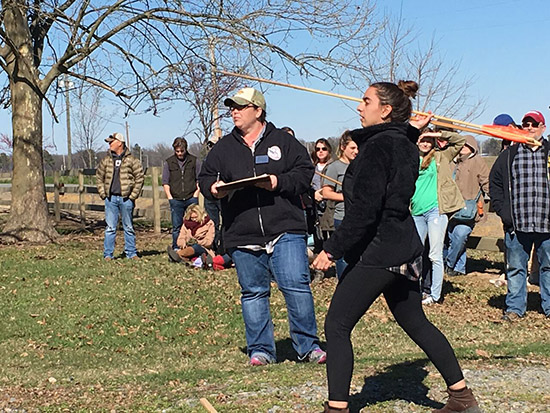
(429, 301)
(453, 273)
(108, 258)
(135, 257)
(174, 256)
(511, 317)
(259, 359)
(207, 261)
(317, 356)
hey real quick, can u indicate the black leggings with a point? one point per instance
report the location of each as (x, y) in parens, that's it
(355, 293)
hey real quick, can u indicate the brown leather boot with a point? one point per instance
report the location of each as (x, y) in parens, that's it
(186, 252)
(329, 409)
(460, 401)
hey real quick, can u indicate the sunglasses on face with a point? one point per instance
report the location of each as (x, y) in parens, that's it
(530, 124)
(239, 107)
(322, 148)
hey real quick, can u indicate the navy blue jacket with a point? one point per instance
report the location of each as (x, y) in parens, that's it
(253, 215)
(378, 228)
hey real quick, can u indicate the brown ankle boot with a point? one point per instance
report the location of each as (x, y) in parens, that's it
(186, 252)
(460, 401)
(329, 409)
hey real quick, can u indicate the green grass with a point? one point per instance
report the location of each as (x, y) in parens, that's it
(81, 334)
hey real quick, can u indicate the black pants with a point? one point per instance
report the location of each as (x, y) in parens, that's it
(355, 293)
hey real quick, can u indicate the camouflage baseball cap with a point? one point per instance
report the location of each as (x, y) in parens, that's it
(247, 96)
(115, 137)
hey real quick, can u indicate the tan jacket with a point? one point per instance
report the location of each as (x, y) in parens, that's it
(131, 176)
(472, 172)
(204, 235)
(449, 197)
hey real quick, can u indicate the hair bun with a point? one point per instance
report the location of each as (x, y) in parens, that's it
(409, 87)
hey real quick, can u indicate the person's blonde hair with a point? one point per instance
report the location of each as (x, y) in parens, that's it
(197, 209)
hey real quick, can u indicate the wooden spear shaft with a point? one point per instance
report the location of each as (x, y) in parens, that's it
(454, 123)
(328, 178)
(206, 404)
(335, 95)
(439, 120)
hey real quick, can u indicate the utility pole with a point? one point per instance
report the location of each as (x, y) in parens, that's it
(67, 84)
(213, 69)
(127, 134)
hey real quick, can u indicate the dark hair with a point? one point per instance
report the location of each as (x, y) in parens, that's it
(288, 129)
(314, 156)
(263, 116)
(398, 97)
(180, 143)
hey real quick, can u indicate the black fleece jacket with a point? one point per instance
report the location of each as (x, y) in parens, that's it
(500, 179)
(254, 216)
(378, 228)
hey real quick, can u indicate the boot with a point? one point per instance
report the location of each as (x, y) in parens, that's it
(460, 401)
(329, 409)
(186, 252)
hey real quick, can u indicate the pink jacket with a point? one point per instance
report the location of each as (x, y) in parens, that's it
(204, 236)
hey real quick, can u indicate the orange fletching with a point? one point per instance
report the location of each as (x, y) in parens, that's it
(509, 133)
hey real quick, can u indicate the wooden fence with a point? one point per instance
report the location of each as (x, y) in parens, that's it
(486, 243)
(59, 189)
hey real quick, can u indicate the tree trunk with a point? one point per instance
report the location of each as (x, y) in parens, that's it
(29, 219)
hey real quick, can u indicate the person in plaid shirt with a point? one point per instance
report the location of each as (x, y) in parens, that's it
(519, 184)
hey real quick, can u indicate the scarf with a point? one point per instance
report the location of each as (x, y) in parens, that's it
(194, 225)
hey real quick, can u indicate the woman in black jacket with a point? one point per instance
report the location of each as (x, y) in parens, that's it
(378, 239)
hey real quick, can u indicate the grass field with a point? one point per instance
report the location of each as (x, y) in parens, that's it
(81, 334)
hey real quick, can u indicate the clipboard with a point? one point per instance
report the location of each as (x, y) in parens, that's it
(242, 183)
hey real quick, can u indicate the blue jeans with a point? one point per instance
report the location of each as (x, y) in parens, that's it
(116, 206)
(434, 226)
(289, 265)
(177, 210)
(456, 252)
(518, 249)
(341, 264)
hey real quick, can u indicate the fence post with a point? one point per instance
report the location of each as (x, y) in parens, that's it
(156, 200)
(81, 203)
(56, 206)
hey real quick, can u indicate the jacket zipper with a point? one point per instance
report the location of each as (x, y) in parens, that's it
(260, 221)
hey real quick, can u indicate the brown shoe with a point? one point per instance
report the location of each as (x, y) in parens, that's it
(511, 317)
(329, 409)
(108, 259)
(460, 401)
(173, 255)
(135, 257)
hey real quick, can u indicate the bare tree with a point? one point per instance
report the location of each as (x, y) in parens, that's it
(89, 121)
(400, 54)
(135, 49)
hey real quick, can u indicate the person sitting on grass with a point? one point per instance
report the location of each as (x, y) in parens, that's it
(196, 237)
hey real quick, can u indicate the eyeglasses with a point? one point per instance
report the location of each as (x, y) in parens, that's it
(530, 124)
(322, 148)
(239, 107)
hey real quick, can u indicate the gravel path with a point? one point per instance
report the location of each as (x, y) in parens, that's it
(518, 389)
